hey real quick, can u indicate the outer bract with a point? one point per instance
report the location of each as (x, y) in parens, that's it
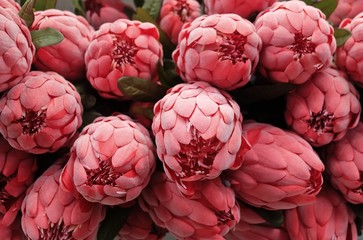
(110, 162)
(348, 56)
(17, 170)
(253, 226)
(10, 4)
(175, 13)
(197, 132)
(297, 41)
(210, 214)
(103, 11)
(344, 163)
(122, 48)
(222, 49)
(12, 232)
(66, 57)
(327, 218)
(346, 9)
(16, 49)
(280, 171)
(140, 226)
(41, 113)
(244, 8)
(324, 108)
(49, 213)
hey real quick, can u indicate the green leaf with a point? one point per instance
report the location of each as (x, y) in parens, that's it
(147, 112)
(46, 37)
(153, 7)
(27, 12)
(113, 222)
(79, 7)
(326, 6)
(88, 117)
(41, 5)
(275, 218)
(167, 74)
(129, 4)
(341, 35)
(139, 89)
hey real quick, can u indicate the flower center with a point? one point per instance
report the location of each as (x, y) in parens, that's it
(224, 217)
(57, 231)
(105, 174)
(6, 200)
(33, 121)
(321, 122)
(359, 189)
(182, 9)
(123, 52)
(232, 47)
(92, 6)
(302, 45)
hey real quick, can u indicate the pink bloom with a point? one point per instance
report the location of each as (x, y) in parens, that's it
(66, 57)
(344, 164)
(327, 218)
(175, 13)
(210, 214)
(41, 113)
(324, 108)
(140, 226)
(122, 48)
(110, 162)
(253, 226)
(197, 132)
(349, 56)
(346, 9)
(103, 11)
(16, 49)
(244, 8)
(280, 171)
(48, 212)
(17, 170)
(12, 232)
(297, 41)
(13, 5)
(222, 49)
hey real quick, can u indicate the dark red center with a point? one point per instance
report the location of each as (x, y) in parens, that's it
(105, 174)
(232, 47)
(57, 231)
(182, 9)
(321, 122)
(302, 45)
(123, 52)
(32, 121)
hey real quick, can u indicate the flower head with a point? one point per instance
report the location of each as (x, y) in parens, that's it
(11, 4)
(345, 9)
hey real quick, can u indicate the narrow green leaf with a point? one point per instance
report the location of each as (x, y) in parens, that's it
(79, 7)
(326, 6)
(139, 89)
(22, 2)
(113, 222)
(27, 12)
(167, 75)
(129, 4)
(41, 5)
(153, 7)
(46, 37)
(341, 35)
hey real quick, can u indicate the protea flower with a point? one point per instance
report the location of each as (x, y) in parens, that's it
(345, 9)
(17, 170)
(197, 131)
(48, 212)
(210, 214)
(327, 218)
(324, 108)
(11, 4)
(222, 49)
(175, 13)
(12, 232)
(41, 113)
(16, 51)
(344, 164)
(110, 162)
(244, 8)
(280, 171)
(122, 48)
(66, 57)
(348, 57)
(297, 41)
(103, 11)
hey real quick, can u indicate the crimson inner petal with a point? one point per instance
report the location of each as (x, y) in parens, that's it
(124, 51)
(32, 121)
(232, 47)
(105, 174)
(321, 122)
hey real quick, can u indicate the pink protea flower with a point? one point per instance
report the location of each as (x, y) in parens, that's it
(41, 113)
(253, 226)
(140, 226)
(297, 41)
(244, 8)
(344, 164)
(346, 9)
(66, 57)
(197, 131)
(327, 218)
(122, 48)
(175, 13)
(280, 171)
(348, 56)
(103, 11)
(324, 108)
(210, 214)
(12, 232)
(16, 51)
(11, 4)
(222, 49)
(111, 161)
(48, 212)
